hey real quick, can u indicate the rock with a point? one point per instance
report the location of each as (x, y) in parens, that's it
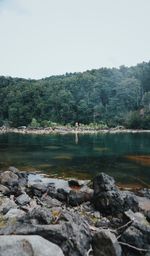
(103, 223)
(137, 217)
(38, 189)
(50, 202)
(106, 244)
(130, 201)
(39, 215)
(4, 190)
(138, 233)
(103, 182)
(108, 199)
(28, 246)
(74, 183)
(62, 195)
(23, 179)
(8, 178)
(110, 202)
(147, 214)
(73, 236)
(96, 215)
(14, 213)
(145, 192)
(76, 198)
(6, 204)
(144, 203)
(13, 169)
(23, 199)
(33, 203)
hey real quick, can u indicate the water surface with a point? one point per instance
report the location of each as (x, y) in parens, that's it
(124, 156)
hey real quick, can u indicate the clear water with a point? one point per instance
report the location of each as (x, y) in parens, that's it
(124, 156)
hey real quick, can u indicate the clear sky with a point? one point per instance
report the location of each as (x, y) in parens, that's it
(40, 38)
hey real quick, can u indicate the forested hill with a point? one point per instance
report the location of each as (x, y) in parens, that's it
(112, 96)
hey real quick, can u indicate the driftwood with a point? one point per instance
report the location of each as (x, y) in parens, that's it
(133, 247)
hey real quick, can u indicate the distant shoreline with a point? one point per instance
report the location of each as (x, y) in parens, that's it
(65, 130)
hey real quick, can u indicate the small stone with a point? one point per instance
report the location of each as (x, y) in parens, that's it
(50, 202)
(14, 213)
(41, 214)
(4, 190)
(96, 215)
(23, 199)
(6, 204)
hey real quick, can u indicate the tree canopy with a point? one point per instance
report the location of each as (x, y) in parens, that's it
(112, 96)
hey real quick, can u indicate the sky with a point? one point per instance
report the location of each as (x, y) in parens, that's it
(40, 38)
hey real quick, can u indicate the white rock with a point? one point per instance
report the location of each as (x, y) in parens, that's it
(28, 246)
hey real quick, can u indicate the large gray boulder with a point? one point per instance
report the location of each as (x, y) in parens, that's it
(8, 178)
(28, 246)
(137, 234)
(105, 244)
(108, 199)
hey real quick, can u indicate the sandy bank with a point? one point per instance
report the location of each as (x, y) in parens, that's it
(64, 130)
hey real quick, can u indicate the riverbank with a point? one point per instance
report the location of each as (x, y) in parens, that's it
(65, 130)
(79, 218)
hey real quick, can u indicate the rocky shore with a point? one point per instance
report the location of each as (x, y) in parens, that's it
(48, 217)
(68, 130)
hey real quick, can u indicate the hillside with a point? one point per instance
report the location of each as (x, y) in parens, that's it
(111, 96)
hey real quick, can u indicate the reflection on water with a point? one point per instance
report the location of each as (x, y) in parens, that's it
(143, 160)
(63, 157)
(124, 156)
(101, 149)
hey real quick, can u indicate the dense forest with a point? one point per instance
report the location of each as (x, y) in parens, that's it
(105, 96)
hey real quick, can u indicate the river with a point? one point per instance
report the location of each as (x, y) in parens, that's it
(124, 156)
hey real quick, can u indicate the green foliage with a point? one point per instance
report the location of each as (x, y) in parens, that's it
(134, 120)
(34, 123)
(98, 98)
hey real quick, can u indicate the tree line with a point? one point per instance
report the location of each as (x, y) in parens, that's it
(101, 96)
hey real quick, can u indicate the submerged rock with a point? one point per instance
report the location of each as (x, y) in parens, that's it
(28, 246)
